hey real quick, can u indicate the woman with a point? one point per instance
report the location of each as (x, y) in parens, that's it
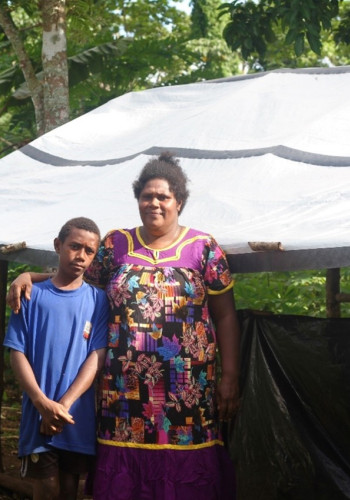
(159, 409)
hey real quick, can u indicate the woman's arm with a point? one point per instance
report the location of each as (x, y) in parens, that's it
(23, 285)
(223, 313)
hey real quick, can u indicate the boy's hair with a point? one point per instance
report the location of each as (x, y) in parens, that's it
(79, 223)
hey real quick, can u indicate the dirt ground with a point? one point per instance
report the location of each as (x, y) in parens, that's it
(11, 485)
(10, 417)
(9, 430)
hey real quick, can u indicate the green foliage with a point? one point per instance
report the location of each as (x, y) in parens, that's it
(16, 269)
(334, 49)
(205, 21)
(250, 27)
(253, 25)
(297, 293)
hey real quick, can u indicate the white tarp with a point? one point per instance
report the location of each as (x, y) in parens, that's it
(268, 158)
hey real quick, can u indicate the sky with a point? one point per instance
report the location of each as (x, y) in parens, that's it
(184, 5)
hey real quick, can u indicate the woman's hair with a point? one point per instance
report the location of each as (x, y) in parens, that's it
(79, 223)
(166, 167)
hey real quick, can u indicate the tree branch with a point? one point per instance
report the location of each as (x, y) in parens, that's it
(25, 64)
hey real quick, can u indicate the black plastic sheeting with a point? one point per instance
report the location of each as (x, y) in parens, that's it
(291, 436)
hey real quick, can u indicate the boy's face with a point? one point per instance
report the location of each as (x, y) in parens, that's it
(76, 252)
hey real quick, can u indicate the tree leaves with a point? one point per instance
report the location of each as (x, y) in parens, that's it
(252, 24)
(249, 28)
(7, 77)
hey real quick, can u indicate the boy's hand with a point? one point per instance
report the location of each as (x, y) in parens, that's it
(50, 430)
(54, 417)
(21, 285)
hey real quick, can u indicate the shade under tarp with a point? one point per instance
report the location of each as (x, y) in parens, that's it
(291, 437)
(267, 155)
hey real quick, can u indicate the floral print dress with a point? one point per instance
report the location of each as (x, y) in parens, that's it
(158, 384)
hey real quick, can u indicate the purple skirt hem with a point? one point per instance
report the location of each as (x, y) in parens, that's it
(139, 474)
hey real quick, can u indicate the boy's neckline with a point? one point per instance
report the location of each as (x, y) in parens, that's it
(72, 285)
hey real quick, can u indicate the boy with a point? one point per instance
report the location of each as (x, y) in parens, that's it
(58, 344)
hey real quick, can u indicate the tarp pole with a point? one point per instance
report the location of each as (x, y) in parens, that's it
(3, 291)
(332, 290)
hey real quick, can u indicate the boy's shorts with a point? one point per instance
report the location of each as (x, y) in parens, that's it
(49, 463)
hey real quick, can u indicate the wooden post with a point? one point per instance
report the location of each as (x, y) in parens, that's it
(332, 290)
(3, 291)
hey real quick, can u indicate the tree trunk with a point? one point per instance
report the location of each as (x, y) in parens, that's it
(25, 64)
(55, 65)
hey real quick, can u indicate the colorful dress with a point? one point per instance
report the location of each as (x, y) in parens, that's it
(158, 429)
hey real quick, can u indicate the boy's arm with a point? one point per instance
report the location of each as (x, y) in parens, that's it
(54, 415)
(85, 377)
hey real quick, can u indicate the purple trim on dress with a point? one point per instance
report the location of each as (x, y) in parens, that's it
(188, 255)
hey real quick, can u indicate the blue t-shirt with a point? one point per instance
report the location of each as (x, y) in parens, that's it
(57, 330)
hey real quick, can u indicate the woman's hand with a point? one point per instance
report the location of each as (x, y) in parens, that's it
(21, 285)
(227, 397)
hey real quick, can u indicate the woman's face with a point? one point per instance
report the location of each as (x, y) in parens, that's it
(158, 206)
